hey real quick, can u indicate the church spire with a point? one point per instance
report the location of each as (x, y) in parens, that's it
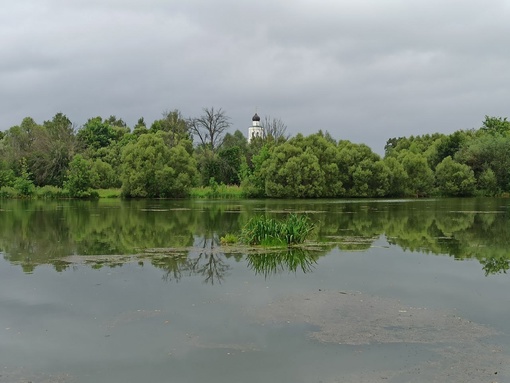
(255, 129)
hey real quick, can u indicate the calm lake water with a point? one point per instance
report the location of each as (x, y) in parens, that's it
(132, 291)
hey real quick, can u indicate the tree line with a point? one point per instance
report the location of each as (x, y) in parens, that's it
(174, 154)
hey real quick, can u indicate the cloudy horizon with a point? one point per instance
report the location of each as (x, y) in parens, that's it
(363, 70)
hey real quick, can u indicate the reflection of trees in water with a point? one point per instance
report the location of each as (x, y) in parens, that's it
(276, 262)
(45, 232)
(203, 259)
(496, 264)
(211, 266)
(206, 262)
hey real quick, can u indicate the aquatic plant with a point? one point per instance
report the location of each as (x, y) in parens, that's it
(229, 239)
(271, 232)
(295, 229)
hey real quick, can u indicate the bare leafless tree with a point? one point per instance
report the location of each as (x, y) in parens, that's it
(274, 127)
(210, 126)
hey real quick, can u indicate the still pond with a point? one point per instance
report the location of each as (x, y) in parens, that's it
(144, 291)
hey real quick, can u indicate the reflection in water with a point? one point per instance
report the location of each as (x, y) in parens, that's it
(42, 232)
(496, 264)
(292, 259)
(212, 267)
(204, 259)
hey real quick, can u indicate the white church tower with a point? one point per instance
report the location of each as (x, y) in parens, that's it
(255, 130)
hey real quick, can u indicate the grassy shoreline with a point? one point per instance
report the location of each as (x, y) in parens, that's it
(52, 192)
(202, 192)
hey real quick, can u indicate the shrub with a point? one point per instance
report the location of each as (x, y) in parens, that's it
(109, 193)
(78, 177)
(221, 192)
(50, 192)
(8, 192)
(213, 191)
(7, 177)
(24, 187)
(23, 184)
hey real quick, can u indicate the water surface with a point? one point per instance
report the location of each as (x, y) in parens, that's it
(129, 291)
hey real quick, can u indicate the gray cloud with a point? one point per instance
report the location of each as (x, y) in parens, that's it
(364, 70)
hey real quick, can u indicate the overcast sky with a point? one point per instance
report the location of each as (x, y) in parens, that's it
(364, 70)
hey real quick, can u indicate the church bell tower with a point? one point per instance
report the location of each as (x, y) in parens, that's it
(255, 130)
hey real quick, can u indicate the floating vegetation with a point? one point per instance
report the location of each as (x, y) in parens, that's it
(478, 211)
(229, 239)
(296, 211)
(272, 232)
(24, 375)
(154, 209)
(132, 316)
(352, 243)
(460, 350)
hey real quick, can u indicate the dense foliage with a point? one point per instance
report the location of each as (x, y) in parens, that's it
(177, 153)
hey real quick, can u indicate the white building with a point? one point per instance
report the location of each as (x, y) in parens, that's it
(255, 130)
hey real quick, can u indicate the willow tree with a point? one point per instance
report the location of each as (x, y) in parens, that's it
(150, 168)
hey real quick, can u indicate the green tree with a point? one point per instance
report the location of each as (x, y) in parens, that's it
(454, 179)
(116, 122)
(175, 125)
(449, 145)
(487, 183)
(237, 139)
(52, 150)
(185, 173)
(140, 127)
(397, 177)
(95, 134)
(379, 182)
(393, 145)
(495, 126)
(103, 176)
(293, 173)
(209, 165)
(488, 151)
(78, 180)
(23, 184)
(354, 161)
(254, 176)
(173, 128)
(327, 155)
(230, 165)
(18, 141)
(421, 177)
(152, 169)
